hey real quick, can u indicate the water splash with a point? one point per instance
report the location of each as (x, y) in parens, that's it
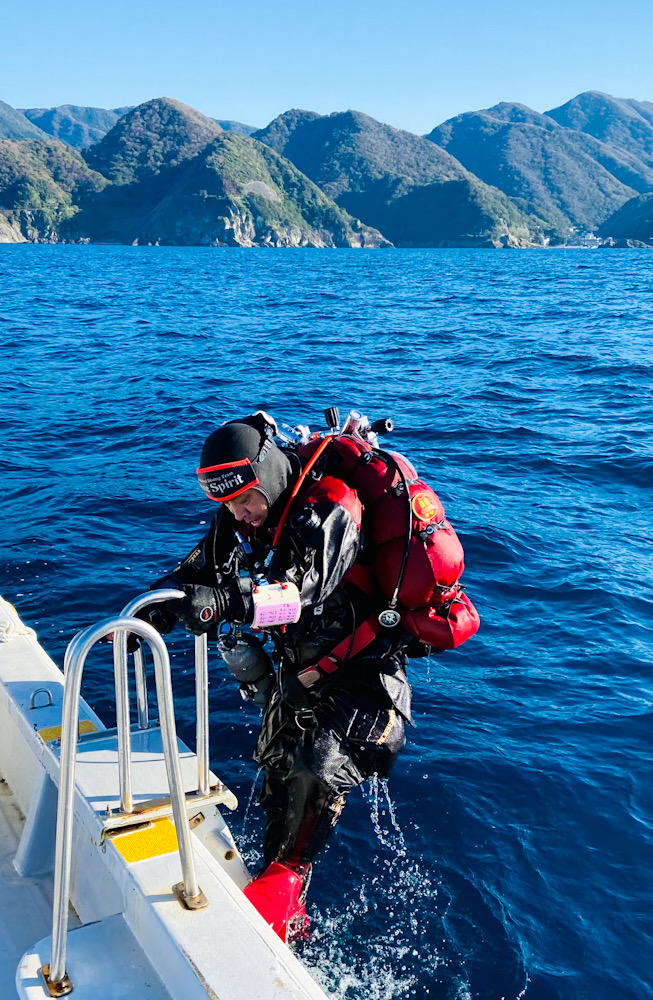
(382, 807)
(380, 944)
(243, 829)
(250, 834)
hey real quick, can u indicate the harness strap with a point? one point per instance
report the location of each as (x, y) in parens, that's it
(361, 577)
(358, 575)
(362, 637)
(298, 485)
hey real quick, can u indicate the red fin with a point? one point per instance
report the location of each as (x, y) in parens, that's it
(276, 895)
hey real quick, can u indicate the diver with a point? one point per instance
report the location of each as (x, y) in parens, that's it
(338, 557)
(323, 731)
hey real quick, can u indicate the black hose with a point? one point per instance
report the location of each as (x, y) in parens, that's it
(391, 460)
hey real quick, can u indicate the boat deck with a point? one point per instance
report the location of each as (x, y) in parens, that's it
(25, 903)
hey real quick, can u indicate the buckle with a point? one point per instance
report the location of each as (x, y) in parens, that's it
(305, 718)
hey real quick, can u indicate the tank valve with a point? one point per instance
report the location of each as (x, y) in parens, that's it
(332, 417)
(384, 426)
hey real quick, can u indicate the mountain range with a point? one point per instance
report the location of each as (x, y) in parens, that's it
(163, 172)
(564, 174)
(415, 193)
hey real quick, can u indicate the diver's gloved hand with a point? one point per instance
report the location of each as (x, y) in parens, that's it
(202, 608)
(161, 616)
(133, 642)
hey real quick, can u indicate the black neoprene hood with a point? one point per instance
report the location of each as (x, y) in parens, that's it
(241, 455)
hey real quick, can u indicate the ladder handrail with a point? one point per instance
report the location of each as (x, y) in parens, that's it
(120, 672)
(122, 696)
(76, 654)
(202, 711)
(131, 610)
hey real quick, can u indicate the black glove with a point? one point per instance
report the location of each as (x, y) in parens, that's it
(161, 616)
(201, 609)
(204, 607)
(133, 642)
(157, 615)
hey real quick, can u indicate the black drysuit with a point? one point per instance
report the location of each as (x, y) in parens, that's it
(315, 744)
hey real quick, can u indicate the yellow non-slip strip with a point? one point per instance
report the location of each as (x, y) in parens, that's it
(158, 837)
(54, 732)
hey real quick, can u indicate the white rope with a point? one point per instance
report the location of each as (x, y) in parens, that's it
(11, 630)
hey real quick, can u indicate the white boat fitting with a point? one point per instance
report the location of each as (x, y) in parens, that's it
(133, 887)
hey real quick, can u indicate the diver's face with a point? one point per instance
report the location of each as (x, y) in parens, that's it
(249, 507)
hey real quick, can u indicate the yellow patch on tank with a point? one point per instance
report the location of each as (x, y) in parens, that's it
(424, 506)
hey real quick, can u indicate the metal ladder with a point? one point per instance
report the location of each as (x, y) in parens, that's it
(188, 890)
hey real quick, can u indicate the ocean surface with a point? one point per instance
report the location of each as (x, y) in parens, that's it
(511, 855)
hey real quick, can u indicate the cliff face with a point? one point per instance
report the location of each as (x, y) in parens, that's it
(413, 192)
(10, 230)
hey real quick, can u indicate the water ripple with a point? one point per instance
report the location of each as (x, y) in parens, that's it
(520, 384)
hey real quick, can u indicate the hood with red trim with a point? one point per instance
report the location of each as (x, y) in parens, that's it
(241, 455)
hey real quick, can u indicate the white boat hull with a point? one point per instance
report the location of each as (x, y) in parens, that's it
(123, 876)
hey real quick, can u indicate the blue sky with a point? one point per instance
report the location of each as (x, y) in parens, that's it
(411, 63)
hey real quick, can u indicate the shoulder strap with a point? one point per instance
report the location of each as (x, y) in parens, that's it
(297, 487)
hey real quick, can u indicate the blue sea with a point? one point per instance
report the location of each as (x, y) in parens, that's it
(511, 854)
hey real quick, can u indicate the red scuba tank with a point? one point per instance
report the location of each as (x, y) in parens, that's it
(418, 558)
